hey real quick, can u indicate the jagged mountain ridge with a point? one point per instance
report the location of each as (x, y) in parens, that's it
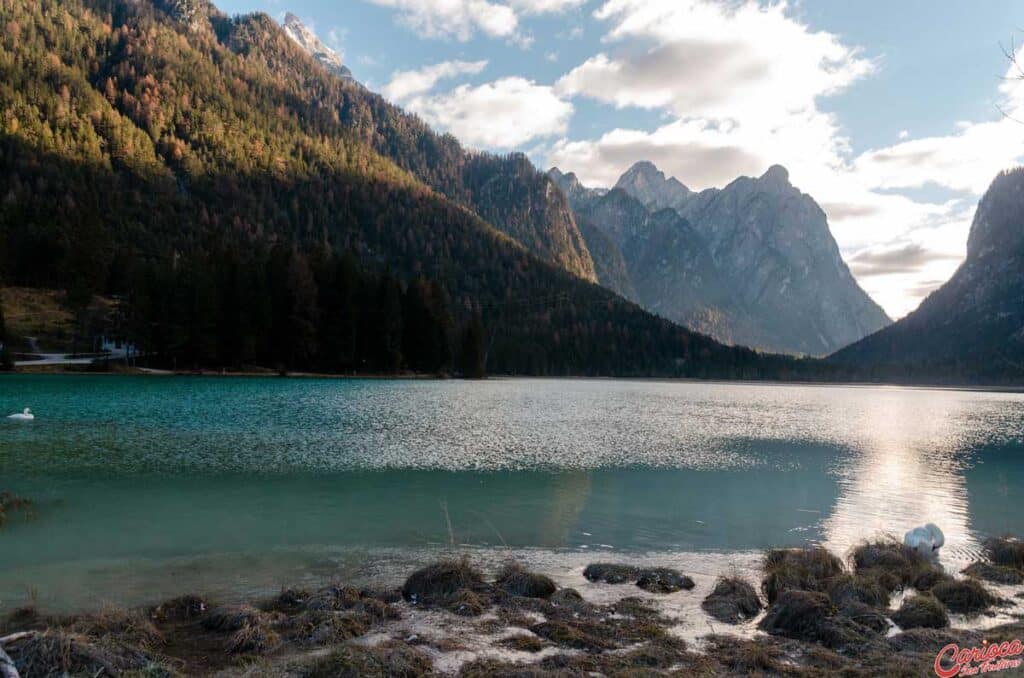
(774, 277)
(971, 328)
(645, 182)
(308, 41)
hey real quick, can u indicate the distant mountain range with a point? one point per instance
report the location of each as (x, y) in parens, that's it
(972, 328)
(753, 263)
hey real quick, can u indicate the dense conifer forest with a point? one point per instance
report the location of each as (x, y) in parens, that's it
(249, 208)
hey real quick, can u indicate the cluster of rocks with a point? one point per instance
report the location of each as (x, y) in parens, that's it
(818, 615)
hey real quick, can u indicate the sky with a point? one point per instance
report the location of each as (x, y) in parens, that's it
(895, 116)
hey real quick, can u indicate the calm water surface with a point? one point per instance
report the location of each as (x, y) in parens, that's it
(147, 486)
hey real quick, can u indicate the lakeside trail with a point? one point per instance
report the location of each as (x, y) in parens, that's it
(811, 614)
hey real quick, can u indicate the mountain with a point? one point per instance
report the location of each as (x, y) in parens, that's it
(249, 208)
(508, 191)
(971, 328)
(648, 184)
(574, 190)
(312, 45)
(752, 264)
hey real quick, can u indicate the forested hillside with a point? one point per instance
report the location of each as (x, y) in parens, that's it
(169, 157)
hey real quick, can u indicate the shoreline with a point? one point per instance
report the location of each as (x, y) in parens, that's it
(52, 370)
(802, 612)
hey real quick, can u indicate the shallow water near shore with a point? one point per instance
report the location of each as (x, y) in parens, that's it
(146, 487)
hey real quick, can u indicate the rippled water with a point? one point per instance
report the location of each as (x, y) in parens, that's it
(147, 486)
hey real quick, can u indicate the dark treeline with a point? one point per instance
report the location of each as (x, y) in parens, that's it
(281, 308)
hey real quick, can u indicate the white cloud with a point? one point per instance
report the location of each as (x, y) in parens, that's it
(458, 19)
(546, 6)
(407, 83)
(503, 114)
(701, 59)
(462, 19)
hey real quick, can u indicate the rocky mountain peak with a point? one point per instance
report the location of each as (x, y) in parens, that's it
(311, 44)
(998, 224)
(777, 176)
(648, 184)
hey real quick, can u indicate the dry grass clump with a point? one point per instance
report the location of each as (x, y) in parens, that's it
(663, 580)
(921, 611)
(523, 643)
(581, 635)
(438, 582)
(393, 659)
(9, 503)
(857, 588)
(611, 573)
(121, 625)
(732, 601)
(335, 599)
(810, 616)
(326, 627)
(1006, 551)
(494, 668)
(566, 597)
(747, 656)
(58, 653)
(516, 580)
(895, 566)
(997, 574)
(800, 569)
(964, 596)
(465, 603)
(288, 601)
(252, 631)
(182, 608)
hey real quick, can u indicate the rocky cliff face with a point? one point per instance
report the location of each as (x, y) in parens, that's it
(307, 40)
(753, 263)
(971, 328)
(772, 243)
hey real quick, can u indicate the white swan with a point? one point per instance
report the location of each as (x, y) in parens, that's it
(25, 415)
(925, 540)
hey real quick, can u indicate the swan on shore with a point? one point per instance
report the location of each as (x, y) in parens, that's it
(925, 540)
(24, 415)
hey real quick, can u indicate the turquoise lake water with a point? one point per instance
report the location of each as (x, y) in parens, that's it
(149, 486)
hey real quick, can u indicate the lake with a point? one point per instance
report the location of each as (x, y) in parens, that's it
(150, 486)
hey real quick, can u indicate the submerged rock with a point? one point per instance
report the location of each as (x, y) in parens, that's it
(663, 580)
(921, 611)
(610, 573)
(732, 601)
